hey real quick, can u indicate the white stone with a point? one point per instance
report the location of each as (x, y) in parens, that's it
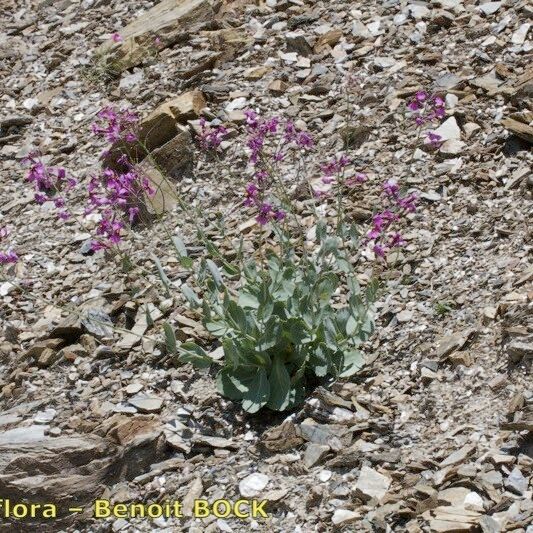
(325, 475)
(519, 36)
(452, 147)
(343, 516)
(419, 12)
(490, 8)
(253, 484)
(372, 484)
(449, 130)
(451, 101)
(360, 30)
(473, 502)
(45, 417)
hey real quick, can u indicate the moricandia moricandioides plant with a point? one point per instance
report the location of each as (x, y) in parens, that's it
(286, 326)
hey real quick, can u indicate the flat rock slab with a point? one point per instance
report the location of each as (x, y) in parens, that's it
(372, 484)
(72, 469)
(159, 27)
(37, 467)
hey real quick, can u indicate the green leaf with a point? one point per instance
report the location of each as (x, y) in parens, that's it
(257, 393)
(271, 335)
(162, 276)
(280, 385)
(230, 270)
(181, 252)
(191, 296)
(217, 328)
(372, 290)
(248, 300)
(321, 230)
(296, 330)
(353, 285)
(353, 361)
(250, 271)
(215, 272)
(126, 264)
(318, 362)
(351, 326)
(226, 386)
(238, 316)
(326, 287)
(180, 246)
(232, 355)
(148, 315)
(343, 264)
(170, 339)
(190, 352)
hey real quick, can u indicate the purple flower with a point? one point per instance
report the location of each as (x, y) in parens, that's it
(40, 197)
(117, 125)
(379, 251)
(8, 257)
(210, 138)
(408, 203)
(434, 138)
(391, 189)
(440, 112)
(279, 214)
(133, 213)
(251, 118)
(116, 37)
(305, 140)
(358, 177)
(421, 96)
(396, 240)
(265, 210)
(251, 194)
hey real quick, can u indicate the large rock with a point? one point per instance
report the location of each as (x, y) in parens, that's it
(161, 26)
(520, 129)
(176, 157)
(161, 125)
(74, 469)
(162, 136)
(35, 467)
(372, 484)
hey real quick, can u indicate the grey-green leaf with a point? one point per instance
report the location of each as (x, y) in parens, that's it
(280, 385)
(353, 362)
(190, 352)
(191, 296)
(258, 392)
(170, 338)
(215, 272)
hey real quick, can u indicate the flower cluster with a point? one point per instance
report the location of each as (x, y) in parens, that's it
(268, 142)
(333, 173)
(380, 236)
(48, 183)
(9, 256)
(211, 137)
(116, 196)
(116, 125)
(427, 109)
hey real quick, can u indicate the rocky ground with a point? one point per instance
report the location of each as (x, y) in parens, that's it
(436, 433)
